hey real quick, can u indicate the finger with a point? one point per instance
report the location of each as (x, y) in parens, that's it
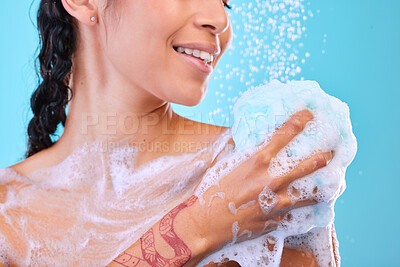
(285, 204)
(303, 203)
(287, 132)
(306, 167)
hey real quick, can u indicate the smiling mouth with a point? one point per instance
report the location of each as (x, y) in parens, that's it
(202, 56)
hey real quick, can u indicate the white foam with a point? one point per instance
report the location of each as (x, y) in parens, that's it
(220, 195)
(95, 204)
(234, 210)
(267, 200)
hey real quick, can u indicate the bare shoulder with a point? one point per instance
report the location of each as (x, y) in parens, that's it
(214, 131)
(24, 167)
(42, 159)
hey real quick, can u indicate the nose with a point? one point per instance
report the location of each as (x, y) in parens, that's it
(212, 16)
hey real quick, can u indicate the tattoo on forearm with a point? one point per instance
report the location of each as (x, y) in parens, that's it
(128, 260)
(166, 228)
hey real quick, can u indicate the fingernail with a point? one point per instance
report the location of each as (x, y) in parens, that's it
(330, 159)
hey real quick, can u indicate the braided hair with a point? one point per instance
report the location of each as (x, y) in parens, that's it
(57, 35)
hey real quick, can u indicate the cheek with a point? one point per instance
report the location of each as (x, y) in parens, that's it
(140, 50)
(137, 45)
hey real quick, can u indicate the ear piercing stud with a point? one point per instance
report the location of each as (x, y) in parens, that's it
(92, 19)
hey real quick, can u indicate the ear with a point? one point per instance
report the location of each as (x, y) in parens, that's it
(83, 10)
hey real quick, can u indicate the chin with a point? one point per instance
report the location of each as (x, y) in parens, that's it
(190, 98)
(189, 102)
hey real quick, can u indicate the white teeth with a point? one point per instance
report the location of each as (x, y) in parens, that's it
(188, 51)
(196, 53)
(205, 56)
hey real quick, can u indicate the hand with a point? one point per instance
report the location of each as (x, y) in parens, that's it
(242, 187)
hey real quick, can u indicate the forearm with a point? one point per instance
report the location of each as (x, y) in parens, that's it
(173, 241)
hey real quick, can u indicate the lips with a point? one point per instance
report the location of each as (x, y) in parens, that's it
(197, 63)
(192, 55)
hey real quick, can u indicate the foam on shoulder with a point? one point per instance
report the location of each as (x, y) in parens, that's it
(95, 204)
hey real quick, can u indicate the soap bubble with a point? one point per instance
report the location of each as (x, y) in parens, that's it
(267, 45)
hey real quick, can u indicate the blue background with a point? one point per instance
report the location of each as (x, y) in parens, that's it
(360, 66)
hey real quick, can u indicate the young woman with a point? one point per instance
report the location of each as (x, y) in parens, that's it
(118, 64)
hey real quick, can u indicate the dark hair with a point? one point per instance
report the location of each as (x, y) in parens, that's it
(57, 35)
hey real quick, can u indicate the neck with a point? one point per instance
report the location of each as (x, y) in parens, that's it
(107, 107)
